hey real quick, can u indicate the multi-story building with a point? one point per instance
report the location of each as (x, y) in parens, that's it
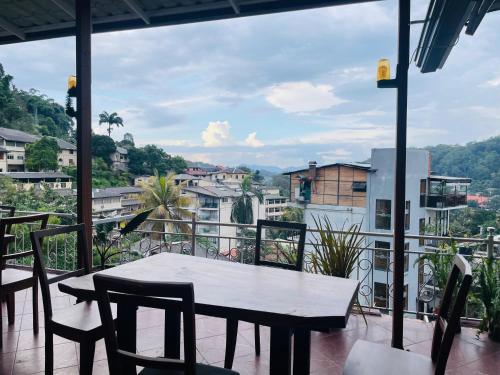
(116, 201)
(363, 194)
(274, 204)
(119, 159)
(229, 176)
(36, 180)
(13, 150)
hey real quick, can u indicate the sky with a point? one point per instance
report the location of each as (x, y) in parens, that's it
(276, 90)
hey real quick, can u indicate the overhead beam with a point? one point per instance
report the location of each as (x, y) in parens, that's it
(136, 8)
(235, 6)
(65, 7)
(12, 29)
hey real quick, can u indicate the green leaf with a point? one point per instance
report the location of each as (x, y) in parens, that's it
(135, 222)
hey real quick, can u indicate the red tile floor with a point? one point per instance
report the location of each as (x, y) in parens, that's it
(23, 353)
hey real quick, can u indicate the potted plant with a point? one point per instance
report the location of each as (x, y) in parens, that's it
(336, 253)
(489, 294)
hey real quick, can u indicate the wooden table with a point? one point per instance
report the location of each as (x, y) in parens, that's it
(287, 301)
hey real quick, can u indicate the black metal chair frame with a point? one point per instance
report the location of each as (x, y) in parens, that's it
(232, 324)
(23, 279)
(86, 338)
(160, 295)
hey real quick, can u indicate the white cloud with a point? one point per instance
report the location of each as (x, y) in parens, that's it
(303, 96)
(216, 133)
(252, 140)
(334, 156)
(494, 82)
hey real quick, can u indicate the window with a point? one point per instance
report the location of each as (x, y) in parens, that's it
(20, 157)
(60, 160)
(237, 176)
(71, 162)
(380, 295)
(407, 256)
(407, 215)
(359, 186)
(423, 192)
(225, 200)
(63, 185)
(1, 156)
(71, 152)
(11, 143)
(10, 157)
(381, 257)
(383, 214)
(421, 231)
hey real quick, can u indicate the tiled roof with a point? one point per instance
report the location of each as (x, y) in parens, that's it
(17, 135)
(35, 175)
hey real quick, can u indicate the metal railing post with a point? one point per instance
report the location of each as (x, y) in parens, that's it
(490, 242)
(193, 233)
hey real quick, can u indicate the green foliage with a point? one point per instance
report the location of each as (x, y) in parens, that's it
(103, 147)
(242, 208)
(440, 263)
(31, 111)
(111, 119)
(294, 214)
(257, 177)
(178, 164)
(477, 160)
(489, 294)
(283, 183)
(127, 141)
(103, 176)
(466, 222)
(42, 155)
(335, 254)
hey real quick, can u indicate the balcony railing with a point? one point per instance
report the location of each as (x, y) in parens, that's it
(236, 243)
(443, 201)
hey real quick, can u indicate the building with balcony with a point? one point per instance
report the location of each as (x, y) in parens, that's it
(13, 150)
(119, 159)
(229, 176)
(354, 193)
(37, 180)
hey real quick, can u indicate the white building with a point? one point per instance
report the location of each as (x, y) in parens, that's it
(36, 180)
(228, 176)
(363, 194)
(119, 159)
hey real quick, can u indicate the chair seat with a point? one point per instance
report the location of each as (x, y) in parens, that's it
(368, 357)
(201, 369)
(79, 321)
(13, 278)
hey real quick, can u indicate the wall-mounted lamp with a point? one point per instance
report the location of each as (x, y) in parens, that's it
(70, 111)
(384, 75)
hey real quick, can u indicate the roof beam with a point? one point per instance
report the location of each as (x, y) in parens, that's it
(235, 6)
(136, 8)
(65, 7)
(12, 29)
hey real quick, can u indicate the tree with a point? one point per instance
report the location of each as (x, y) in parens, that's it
(178, 164)
(257, 177)
(42, 155)
(155, 159)
(162, 194)
(127, 141)
(242, 208)
(102, 147)
(110, 119)
(295, 214)
(136, 161)
(283, 183)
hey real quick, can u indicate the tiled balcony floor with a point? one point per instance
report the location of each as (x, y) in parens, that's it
(23, 353)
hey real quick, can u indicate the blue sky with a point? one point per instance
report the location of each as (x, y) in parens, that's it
(275, 90)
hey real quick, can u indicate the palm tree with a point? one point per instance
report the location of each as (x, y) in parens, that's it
(110, 119)
(242, 208)
(164, 196)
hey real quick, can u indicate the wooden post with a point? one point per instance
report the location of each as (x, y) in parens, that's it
(84, 121)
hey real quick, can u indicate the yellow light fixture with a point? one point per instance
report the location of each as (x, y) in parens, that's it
(71, 82)
(383, 70)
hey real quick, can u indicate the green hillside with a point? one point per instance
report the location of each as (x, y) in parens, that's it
(477, 160)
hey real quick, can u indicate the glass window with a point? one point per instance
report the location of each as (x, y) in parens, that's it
(380, 295)
(421, 231)
(381, 257)
(359, 186)
(407, 215)
(407, 256)
(383, 214)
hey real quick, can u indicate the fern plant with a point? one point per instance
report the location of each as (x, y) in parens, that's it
(489, 294)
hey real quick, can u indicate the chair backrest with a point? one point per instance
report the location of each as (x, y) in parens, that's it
(178, 296)
(448, 319)
(298, 265)
(37, 241)
(6, 228)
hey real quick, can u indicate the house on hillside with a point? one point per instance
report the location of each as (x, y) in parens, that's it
(36, 180)
(119, 159)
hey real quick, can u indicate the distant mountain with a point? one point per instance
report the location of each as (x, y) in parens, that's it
(477, 160)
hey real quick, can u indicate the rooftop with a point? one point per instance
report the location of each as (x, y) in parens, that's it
(23, 353)
(213, 191)
(35, 175)
(20, 136)
(365, 166)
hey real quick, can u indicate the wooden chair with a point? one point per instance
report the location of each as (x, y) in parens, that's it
(367, 357)
(80, 322)
(232, 324)
(8, 211)
(14, 279)
(179, 296)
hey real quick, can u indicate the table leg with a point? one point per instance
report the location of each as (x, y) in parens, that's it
(281, 351)
(127, 330)
(301, 351)
(173, 334)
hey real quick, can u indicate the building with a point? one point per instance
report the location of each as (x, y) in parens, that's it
(354, 193)
(196, 171)
(185, 179)
(119, 159)
(37, 180)
(116, 201)
(13, 150)
(229, 176)
(214, 203)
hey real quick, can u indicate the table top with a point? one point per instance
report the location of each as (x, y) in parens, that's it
(269, 296)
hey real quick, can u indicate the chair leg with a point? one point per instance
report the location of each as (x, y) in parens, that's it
(49, 352)
(87, 349)
(35, 306)
(231, 335)
(11, 307)
(257, 339)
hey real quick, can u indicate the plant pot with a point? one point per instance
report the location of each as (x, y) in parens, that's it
(494, 332)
